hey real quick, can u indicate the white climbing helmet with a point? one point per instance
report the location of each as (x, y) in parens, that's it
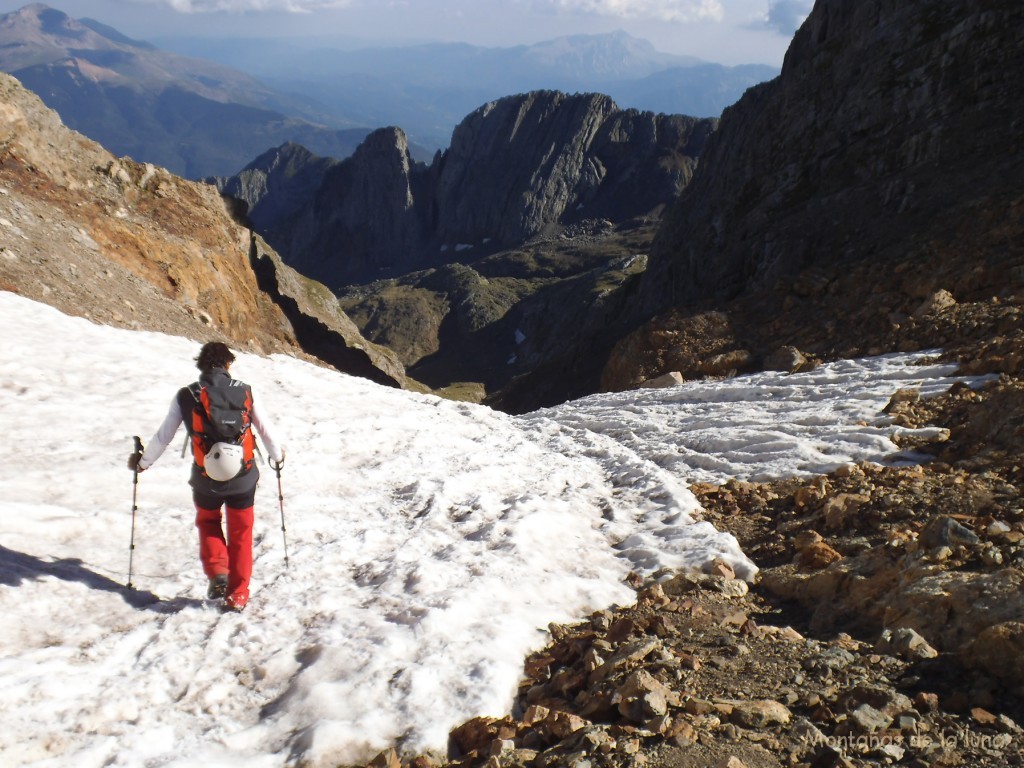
(223, 461)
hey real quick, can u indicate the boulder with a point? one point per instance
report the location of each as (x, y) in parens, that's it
(944, 531)
(938, 301)
(999, 651)
(840, 509)
(759, 713)
(665, 380)
(727, 363)
(788, 359)
(905, 642)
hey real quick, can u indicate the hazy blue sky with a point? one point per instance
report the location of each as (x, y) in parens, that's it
(726, 31)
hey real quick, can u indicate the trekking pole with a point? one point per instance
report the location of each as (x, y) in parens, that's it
(135, 507)
(280, 498)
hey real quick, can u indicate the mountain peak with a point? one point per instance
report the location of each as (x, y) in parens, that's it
(49, 21)
(617, 55)
(40, 35)
(35, 10)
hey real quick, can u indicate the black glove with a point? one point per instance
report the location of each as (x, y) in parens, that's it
(133, 462)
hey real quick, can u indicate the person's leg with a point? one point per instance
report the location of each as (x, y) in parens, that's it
(213, 551)
(239, 524)
(239, 555)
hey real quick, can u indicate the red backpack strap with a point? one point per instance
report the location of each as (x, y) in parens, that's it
(190, 405)
(248, 434)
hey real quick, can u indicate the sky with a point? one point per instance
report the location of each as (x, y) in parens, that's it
(430, 542)
(723, 31)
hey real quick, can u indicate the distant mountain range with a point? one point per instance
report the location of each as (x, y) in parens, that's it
(201, 117)
(195, 118)
(427, 89)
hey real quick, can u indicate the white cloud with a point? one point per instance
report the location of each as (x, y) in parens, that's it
(643, 10)
(786, 16)
(660, 10)
(293, 6)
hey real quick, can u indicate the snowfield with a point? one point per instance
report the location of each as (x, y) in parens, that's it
(430, 542)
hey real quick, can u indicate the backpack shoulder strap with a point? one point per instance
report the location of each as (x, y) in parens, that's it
(188, 398)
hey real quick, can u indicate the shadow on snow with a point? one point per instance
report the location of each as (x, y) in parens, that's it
(17, 567)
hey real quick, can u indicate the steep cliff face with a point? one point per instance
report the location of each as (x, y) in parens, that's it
(515, 164)
(515, 167)
(895, 128)
(368, 214)
(134, 246)
(519, 164)
(277, 185)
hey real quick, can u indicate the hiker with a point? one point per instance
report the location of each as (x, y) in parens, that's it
(223, 473)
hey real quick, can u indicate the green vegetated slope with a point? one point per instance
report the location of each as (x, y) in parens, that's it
(495, 318)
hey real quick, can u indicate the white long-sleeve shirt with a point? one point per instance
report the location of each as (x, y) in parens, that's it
(174, 419)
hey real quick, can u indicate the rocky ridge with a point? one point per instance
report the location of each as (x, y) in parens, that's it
(515, 167)
(133, 246)
(892, 131)
(842, 208)
(276, 186)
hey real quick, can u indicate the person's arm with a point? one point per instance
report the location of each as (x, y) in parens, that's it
(266, 431)
(159, 442)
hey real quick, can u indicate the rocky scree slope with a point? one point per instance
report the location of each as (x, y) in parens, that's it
(134, 246)
(886, 626)
(515, 167)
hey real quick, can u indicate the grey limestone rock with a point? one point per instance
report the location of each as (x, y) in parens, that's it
(890, 127)
(515, 167)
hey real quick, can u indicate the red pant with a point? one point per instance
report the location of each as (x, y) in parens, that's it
(233, 556)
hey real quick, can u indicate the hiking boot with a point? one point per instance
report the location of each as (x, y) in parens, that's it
(236, 602)
(218, 587)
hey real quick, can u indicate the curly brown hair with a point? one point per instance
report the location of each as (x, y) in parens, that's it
(214, 354)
